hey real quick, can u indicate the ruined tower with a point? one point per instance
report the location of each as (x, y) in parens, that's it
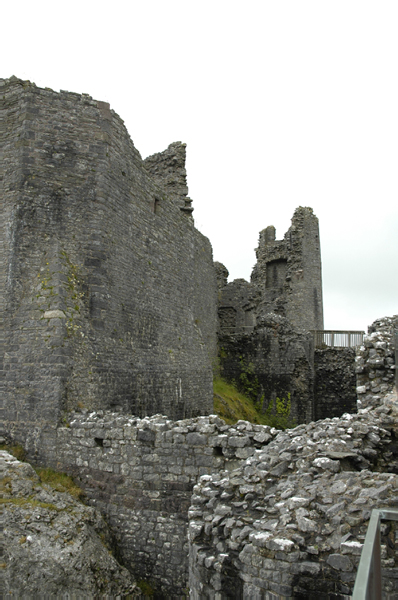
(265, 324)
(288, 273)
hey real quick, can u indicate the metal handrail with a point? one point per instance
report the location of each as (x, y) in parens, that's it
(368, 579)
(337, 339)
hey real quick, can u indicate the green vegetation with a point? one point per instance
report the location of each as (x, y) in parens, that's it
(29, 503)
(232, 405)
(146, 588)
(16, 450)
(278, 414)
(59, 482)
(248, 382)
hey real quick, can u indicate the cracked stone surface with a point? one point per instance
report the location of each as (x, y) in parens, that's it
(54, 544)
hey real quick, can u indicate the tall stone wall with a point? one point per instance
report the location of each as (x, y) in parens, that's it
(264, 325)
(108, 281)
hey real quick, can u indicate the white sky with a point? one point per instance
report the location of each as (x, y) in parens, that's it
(281, 103)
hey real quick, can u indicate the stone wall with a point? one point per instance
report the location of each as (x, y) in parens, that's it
(376, 362)
(264, 325)
(286, 279)
(290, 521)
(273, 361)
(335, 382)
(288, 272)
(140, 474)
(273, 512)
(111, 291)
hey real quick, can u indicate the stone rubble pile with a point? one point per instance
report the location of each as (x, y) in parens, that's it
(292, 518)
(375, 362)
(54, 545)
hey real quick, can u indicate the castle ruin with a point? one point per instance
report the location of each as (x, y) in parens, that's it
(113, 311)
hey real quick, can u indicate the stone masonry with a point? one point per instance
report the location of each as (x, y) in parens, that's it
(313, 486)
(111, 321)
(290, 521)
(376, 362)
(140, 474)
(265, 324)
(110, 295)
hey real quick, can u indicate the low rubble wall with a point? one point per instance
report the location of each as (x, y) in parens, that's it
(290, 521)
(140, 474)
(376, 362)
(271, 514)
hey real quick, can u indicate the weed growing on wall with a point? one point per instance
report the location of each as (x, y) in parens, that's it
(232, 405)
(248, 382)
(277, 413)
(74, 295)
(15, 449)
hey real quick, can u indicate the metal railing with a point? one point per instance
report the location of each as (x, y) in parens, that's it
(368, 579)
(337, 339)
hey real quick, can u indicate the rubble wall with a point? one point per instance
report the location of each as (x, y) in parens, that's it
(274, 361)
(111, 291)
(290, 521)
(335, 382)
(140, 474)
(376, 362)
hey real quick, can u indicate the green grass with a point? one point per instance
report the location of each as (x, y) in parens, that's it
(16, 450)
(59, 482)
(146, 588)
(28, 503)
(231, 405)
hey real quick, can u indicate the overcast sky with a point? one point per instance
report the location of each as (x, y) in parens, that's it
(281, 103)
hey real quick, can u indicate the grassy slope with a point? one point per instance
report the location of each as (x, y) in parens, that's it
(231, 405)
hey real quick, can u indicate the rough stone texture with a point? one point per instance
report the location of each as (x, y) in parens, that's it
(264, 324)
(376, 362)
(274, 361)
(54, 546)
(140, 474)
(335, 382)
(167, 169)
(288, 274)
(290, 496)
(290, 521)
(286, 280)
(110, 292)
(110, 300)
